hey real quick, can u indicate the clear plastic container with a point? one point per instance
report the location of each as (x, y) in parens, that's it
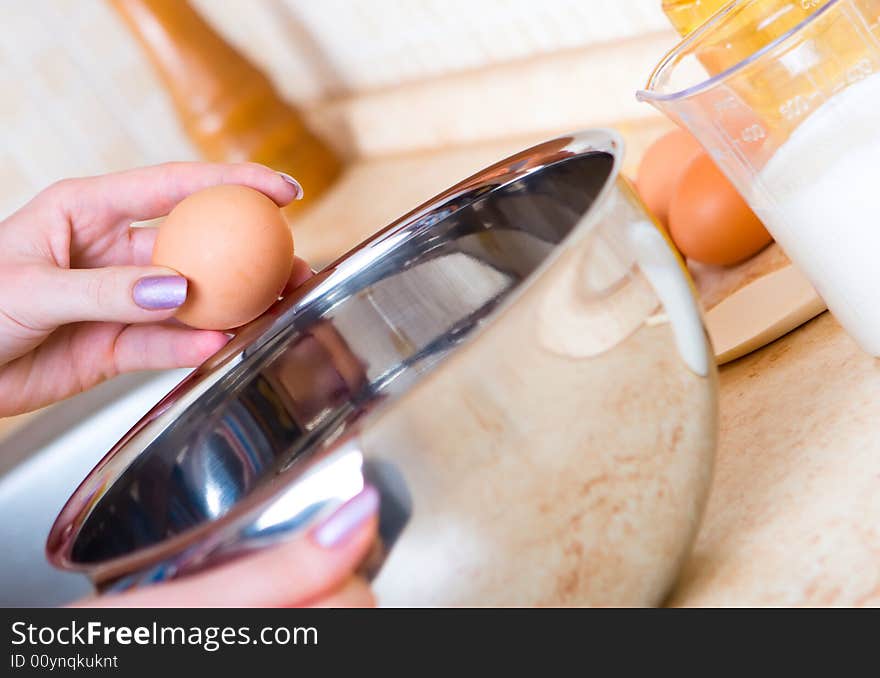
(793, 124)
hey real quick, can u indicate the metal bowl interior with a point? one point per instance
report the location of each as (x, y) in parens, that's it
(356, 337)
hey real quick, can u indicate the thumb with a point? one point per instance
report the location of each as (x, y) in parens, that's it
(125, 294)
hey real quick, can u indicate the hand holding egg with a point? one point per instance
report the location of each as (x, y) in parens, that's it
(234, 247)
(707, 219)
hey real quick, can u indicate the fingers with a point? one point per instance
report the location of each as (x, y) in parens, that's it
(355, 592)
(150, 192)
(141, 241)
(77, 357)
(300, 272)
(46, 297)
(160, 347)
(306, 570)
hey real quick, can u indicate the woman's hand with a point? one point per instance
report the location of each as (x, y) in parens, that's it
(79, 300)
(80, 303)
(315, 570)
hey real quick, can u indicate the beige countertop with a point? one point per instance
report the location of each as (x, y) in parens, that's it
(794, 513)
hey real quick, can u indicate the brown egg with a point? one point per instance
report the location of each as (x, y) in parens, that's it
(235, 249)
(708, 219)
(661, 169)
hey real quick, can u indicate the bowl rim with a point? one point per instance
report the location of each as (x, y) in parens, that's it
(253, 339)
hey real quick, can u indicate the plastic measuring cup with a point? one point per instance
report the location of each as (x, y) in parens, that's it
(794, 124)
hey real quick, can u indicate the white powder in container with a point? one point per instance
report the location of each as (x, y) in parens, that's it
(819, 195)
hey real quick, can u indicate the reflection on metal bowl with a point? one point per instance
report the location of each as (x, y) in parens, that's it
(518, 365)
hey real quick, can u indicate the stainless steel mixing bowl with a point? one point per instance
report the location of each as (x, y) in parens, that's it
(519, 366)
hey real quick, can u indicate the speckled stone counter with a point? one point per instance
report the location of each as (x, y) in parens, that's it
(794, 513)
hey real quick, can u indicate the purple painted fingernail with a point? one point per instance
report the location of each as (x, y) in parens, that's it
(346, 520)
(293, 182)
(160, 292)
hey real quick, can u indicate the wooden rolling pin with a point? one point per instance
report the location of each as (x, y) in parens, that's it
(227, 106)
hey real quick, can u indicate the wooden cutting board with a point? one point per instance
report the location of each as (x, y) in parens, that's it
(752, 305)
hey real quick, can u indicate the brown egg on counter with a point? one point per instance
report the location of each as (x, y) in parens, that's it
(661, 169)
(234, 247)
(709, 221)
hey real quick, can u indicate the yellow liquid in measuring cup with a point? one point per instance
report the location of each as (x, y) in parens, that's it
(688, 15)
(752, 27)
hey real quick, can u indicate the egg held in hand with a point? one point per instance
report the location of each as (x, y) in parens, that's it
(709, 220)
(235, 249)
